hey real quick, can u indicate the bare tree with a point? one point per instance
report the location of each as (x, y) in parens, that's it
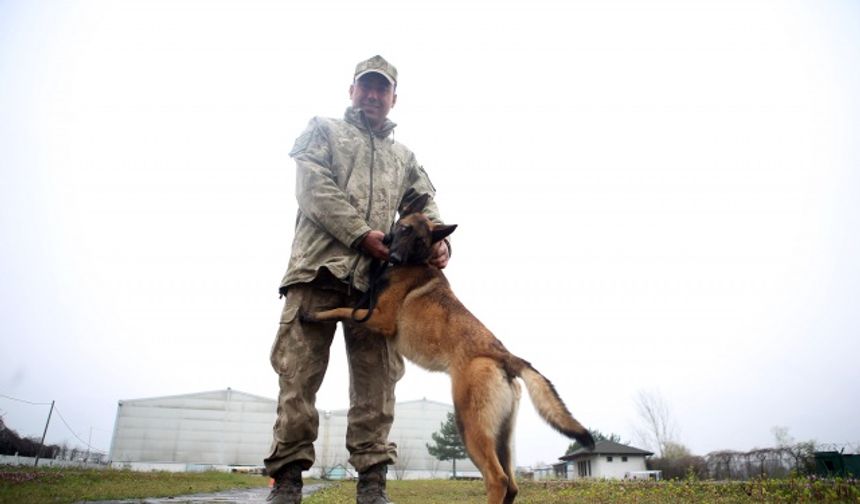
(404, 456)
(781, 436)
(800, 454)
(434, 467)
(675, 450)
(721, 464)
(64, 451)
(658, 428)
(326, 463)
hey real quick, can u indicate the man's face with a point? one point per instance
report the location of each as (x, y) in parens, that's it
(373, 94)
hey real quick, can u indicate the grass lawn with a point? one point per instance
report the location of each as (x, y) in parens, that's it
(63, 485)
(20, 485)
(472, 492)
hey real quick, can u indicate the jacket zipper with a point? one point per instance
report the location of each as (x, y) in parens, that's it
(369, 198)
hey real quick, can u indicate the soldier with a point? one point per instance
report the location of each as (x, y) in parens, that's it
(351, 180)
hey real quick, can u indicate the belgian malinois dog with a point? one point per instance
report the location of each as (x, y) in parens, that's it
(417, 308)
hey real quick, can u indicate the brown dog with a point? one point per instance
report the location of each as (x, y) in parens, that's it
(434, 330)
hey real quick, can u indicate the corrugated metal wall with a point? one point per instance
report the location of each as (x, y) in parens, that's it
(414, 423)
(224, 427)
(228, 427)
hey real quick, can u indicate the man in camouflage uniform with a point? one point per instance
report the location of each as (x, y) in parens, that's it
(352, 178)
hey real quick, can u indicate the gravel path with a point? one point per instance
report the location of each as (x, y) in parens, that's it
(251, 496)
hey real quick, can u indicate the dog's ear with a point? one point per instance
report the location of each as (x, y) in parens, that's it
(441, 231)
(416, 206)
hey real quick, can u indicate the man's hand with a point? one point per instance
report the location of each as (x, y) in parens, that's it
(440, 254)
(372, 245)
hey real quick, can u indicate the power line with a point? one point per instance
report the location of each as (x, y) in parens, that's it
(73, 432)
(91, 447)
(25, 401)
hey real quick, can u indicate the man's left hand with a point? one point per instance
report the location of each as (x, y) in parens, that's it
(440, 254)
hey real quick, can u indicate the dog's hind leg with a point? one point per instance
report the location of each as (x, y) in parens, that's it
(484, 401)
(504, 439)
(482, 450)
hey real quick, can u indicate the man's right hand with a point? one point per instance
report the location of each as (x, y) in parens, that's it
(372, 245)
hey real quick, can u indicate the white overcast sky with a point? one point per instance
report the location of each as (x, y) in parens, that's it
(651, 195)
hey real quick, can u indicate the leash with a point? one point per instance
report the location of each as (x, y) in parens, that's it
(369, 298)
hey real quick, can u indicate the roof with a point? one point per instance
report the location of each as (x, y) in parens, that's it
(426, 401)
(606, 447)
(211, 394)
(230, 393)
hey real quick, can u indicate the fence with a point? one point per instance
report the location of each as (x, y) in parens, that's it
(767, 462)
(777, 462)
(18, 460)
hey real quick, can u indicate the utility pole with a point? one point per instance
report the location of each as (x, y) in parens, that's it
(89, 443)
(42, 444)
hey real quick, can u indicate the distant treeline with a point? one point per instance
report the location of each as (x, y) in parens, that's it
(733, 465)
(13, 444)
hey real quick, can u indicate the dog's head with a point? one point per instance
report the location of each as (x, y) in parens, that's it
(414, 234)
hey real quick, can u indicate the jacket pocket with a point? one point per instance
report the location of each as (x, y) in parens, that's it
(280, 348)
(291, 309)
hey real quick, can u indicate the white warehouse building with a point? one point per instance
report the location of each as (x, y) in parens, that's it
(228, 428)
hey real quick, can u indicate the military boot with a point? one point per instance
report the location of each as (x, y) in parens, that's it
(288, 486)
(371, 485)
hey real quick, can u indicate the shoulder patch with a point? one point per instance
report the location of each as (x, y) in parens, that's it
(426, 177)
(302, 142)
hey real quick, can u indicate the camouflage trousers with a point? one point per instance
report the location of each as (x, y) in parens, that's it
(300, 356)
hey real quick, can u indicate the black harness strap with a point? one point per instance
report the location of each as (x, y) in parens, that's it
(368, 300)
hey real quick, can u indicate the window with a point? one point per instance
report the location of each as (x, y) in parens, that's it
(584, 468)
(609, 459)
(624, 459)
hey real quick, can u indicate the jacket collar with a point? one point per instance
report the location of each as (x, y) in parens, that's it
(353, 117)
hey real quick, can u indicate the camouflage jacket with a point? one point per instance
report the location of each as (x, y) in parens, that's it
(338, 164)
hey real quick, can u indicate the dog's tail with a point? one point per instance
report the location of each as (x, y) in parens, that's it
(550, 406)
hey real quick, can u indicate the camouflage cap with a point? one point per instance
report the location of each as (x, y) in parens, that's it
(379, 65)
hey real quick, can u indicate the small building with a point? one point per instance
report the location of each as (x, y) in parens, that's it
(608, 460)
(829, 464)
